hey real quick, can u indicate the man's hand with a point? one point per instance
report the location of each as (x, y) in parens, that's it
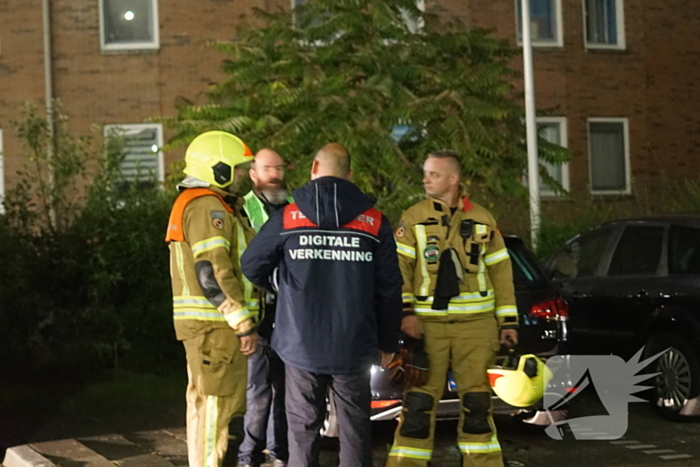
(385, 358)
(509, 337)
(410, 325)
(249, 344)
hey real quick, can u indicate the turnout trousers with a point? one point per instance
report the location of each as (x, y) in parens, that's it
(468, 348)
(216, 396)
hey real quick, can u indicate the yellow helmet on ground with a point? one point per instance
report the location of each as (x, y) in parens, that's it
(212, 156)
(522, 385)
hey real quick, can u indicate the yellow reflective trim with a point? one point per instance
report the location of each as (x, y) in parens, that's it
(406, 250)
(479, 448)
(199, 315)
(408, 297)
(467, 298)
(414, 453)
(180, 266)
(506, 311)
(210, 431)
(210, 244)
(237, 317)
(421, 243)
(481, 277)
(497, 257)
(242, 245)
(481, 229)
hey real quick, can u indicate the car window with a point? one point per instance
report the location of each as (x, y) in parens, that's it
(638, 252)
(524, 269)
(684, 250)
(580, 257)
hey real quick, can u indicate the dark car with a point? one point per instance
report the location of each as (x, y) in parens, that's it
(633, 283)
(542, 332)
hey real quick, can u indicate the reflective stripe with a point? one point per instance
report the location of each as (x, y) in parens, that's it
(198, 315)
(415, 453)
(247, 286)
(210, 431)
(180, 267)
(237, 317)
(202, 301)
(497, 257)
(421, 243)
(479, 448)
(481, 229)
(406, 250)
(408, 297)
(506, 311)
(481, 276)
(210, 244)
(462, 304)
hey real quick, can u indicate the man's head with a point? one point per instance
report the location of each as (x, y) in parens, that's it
(442, 173)
(267, 174)
(332, 160)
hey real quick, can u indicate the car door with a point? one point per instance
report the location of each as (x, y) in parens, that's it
(628, 289)
(575, 269)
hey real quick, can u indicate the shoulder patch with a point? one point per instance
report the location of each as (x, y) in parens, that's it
(217, 214)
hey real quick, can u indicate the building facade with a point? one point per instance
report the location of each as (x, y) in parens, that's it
(617, 77)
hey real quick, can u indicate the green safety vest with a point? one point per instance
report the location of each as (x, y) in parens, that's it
(255, 208)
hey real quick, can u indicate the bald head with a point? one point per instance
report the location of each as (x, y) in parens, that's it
(332, 160)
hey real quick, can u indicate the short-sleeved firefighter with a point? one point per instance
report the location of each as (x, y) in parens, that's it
(461, 329)
(214, 305)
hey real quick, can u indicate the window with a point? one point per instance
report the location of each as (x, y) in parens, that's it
(638, 252)
(608, 140)
(581, 256)
(143, 161)
(129, 24)
(604, 24)
(2, 177)
(545, 23)
(684, 250)
(553, 129)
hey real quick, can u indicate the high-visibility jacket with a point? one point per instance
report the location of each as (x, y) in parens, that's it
(257, 211)
(207, 238)
(425, 231)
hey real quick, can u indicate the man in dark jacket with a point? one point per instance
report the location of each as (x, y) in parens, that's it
(332, 258)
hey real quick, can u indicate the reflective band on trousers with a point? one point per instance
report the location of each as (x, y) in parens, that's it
(421, 243)
(415, 453)
(479, 448)
(210, 431)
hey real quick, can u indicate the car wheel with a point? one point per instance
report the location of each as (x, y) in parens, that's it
(676, 389)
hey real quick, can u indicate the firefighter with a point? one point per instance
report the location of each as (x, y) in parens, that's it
(333, 258)
(215, 306)
(265, 420)
(458, 296)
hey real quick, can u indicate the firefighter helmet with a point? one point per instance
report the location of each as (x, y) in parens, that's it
(212, 156)
(521, 381)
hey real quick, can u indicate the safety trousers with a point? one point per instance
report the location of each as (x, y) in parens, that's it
(216, 397)
(468, 348)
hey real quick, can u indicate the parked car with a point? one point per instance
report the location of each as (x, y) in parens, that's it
(543, 316)
(633, 283)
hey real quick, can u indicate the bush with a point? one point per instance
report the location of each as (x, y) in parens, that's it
(85, 280)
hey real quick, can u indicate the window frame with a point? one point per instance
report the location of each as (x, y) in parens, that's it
(564, 137)
(626, 137)
(559, 30)
(620, 20)
(133, 46)
(160, 157)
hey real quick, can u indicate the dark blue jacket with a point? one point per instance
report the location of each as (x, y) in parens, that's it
(339, 283)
